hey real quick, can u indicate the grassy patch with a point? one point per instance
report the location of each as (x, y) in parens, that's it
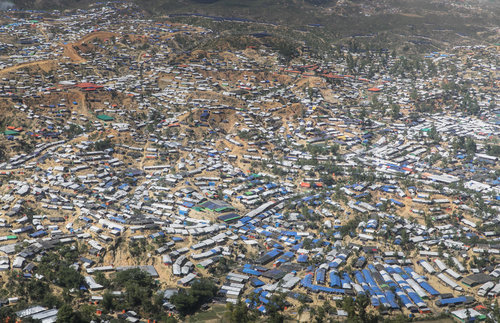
(216, 312)
(437, 321)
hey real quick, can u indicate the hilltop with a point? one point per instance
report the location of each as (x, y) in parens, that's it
(416, 26)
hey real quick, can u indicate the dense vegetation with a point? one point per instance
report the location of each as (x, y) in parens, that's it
(321, 23)
(188, 301)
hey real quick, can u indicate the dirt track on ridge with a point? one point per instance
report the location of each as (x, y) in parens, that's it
(44, 65)
(70, 51)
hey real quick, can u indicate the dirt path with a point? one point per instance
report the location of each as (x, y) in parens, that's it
(144, 153)
(42, 30)
(96, 34)
(70, 51)
(72, 54)
(44, 65)
(82, 102)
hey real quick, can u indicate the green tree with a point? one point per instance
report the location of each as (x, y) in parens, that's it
(493, 150)
(188, 301)
(356, 310)
(434, 135)
(108, 301)
(3, 152)
(492, 106)
(101, 279)
(57, 268)
(395, 110)
(7, 314)
(363, 113)
(67, 315)
(87, 312)
(139, 287)
(414, 94)
(275, 307)
(103, 144)
(238, 313)
(470, 146)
